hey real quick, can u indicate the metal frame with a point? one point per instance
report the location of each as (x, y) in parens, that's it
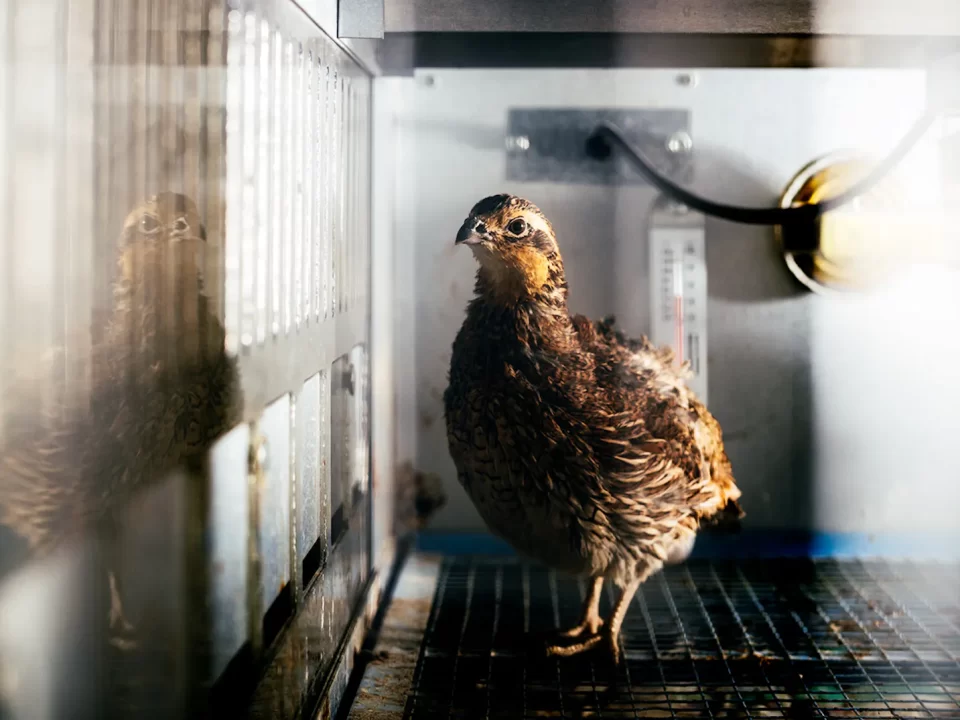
(402, 52)
(774, 17)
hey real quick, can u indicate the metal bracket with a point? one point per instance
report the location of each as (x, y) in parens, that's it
(547, 145)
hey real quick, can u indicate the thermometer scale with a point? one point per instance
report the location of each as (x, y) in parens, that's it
(678, 290)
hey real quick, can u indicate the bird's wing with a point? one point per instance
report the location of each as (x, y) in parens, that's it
(658, 450)
(53, 437)
(43, 483)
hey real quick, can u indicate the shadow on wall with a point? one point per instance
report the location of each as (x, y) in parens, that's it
(759, 363)
(760, 357)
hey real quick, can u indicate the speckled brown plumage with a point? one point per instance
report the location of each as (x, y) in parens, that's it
(582, 448)
(162, 389)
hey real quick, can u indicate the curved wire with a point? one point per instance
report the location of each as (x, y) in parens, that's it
(599, 147)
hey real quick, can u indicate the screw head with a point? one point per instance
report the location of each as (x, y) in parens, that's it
(680, 142)
(259, 456)
(519, 143)
(687, 80)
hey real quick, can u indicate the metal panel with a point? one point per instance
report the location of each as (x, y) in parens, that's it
(401, 53)
(546, 145)
(342, 420)
(331, 91)
(175, 179)
(229, 519)
(312, 480)
(273, 512)
(391, 387)
(360, 442)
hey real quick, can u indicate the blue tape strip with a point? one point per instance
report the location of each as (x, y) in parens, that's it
(747, 544)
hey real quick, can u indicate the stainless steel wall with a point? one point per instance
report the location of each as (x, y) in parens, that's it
(838, 412)
(185, 200)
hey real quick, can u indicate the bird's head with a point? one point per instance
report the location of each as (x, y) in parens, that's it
(162, 246)
(516, 249)
(160, 261)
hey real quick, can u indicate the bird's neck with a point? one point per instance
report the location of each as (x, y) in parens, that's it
(533, 319)
(178, 332)
(522, 287)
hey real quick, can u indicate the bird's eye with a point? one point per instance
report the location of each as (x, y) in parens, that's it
(181, 225)
(517, 227)
(149, 224)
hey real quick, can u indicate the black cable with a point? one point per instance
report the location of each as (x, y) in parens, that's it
(599, 147)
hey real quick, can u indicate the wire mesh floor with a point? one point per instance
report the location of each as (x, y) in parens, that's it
(764, 639)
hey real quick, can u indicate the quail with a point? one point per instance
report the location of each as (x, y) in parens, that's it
(162, 389)
(583, 448)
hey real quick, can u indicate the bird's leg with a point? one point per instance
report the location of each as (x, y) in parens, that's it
(117, 620)
(590, 625)
(121, 631)
(612, 630)
(591, 621)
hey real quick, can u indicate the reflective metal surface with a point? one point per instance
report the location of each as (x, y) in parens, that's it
(184, 204)
(313, 475)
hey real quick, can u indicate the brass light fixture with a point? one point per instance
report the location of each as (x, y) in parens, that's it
(863, 244)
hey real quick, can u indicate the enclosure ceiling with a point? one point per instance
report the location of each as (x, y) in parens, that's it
(690, 33)
(770, 17)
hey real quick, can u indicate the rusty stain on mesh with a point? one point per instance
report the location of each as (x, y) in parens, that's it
(759, 639)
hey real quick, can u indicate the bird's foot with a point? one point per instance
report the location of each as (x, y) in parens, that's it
(604, 638)
(121, 631)
(587, 643)
(590, 626)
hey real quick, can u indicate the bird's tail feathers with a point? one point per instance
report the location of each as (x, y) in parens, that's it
(725, 521)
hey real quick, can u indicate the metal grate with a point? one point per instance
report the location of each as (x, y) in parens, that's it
(762, 639)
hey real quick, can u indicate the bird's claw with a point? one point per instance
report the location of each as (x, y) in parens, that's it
(594, 640)
(613, 643)
(575, 649)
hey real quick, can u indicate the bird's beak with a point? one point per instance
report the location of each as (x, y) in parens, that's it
(468, 234)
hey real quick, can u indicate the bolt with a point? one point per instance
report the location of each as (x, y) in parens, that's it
(687, 80)
(259, 457)
(679, 142)
(518, 142)
(429, 80)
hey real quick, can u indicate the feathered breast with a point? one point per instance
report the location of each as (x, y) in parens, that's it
(578, 404)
